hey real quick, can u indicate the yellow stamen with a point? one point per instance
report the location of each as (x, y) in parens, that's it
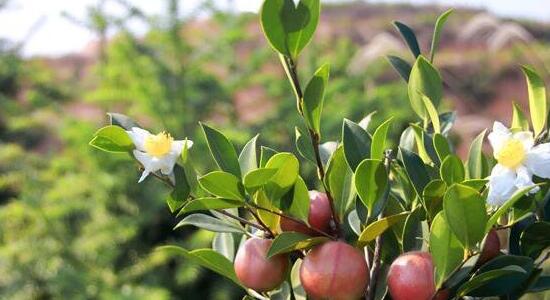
(512, 154)
(158, 145)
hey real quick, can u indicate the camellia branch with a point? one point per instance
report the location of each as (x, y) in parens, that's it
(290, 69)
(259, 220)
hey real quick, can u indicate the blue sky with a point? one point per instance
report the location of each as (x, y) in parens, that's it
(57, 36)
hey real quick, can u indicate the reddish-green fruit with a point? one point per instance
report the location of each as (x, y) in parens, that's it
(411, 277)
(255, 270)
(319, 216)
(491, 248)
(335, 271)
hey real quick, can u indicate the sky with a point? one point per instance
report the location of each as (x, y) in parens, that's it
(55, 35)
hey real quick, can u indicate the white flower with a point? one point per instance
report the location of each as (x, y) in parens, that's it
(518, 160)
(156, 152)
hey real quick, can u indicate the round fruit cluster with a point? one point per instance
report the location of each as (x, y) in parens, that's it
(336, 270)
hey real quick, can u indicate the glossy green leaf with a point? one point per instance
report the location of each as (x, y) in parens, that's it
(519, 120)
(375, 229)
(452, 170)
(415, 169)
(476, 184)
(535, 239)
(415, 231)
(299, 201)
(424, 79)
(224, 244)
(357, 143)
(297, 288)
(410, 38)
(371, 183)
(339, 179)
(209, 203)
(265, 154)
(207, 258)
(289, 27)
(313, 98)
(401, 66)
(258, 178)
(222, 151)
(271, 220)
(437, 32)
(441, 146)
(447, 253)
(287, 166)
(222, 184)
(379, 140)
(465, 213)
(432, 113)
(248, 159)
(493, 283)
(537, 99)
(506, 206)
(181, 191)
(433, 196)
(290, 241)
(304, 146)
(112, 138)
(477, 163)
(209, 223)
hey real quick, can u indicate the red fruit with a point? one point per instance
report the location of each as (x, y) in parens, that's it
(491, 247)
(334, 271)
(411, 277)
(255, 270)
(319, 216)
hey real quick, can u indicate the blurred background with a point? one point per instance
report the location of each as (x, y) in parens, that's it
(73, 222)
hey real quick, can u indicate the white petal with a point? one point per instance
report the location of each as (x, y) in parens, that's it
(501, 185)
(177, 146)
(167, 163)
(538, 160)
(526, 139)
(524, 178)
(138, 136)
(498, 137)
(143, 176)
(150, 163)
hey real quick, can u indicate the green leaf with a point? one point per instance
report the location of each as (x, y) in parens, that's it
(432, 113)
(287, 166)
(271, 220)
(209, 203)
(410, 38)
(535, 239)
(339, 179)
(257, 178)
(519, 120)
(493, 283)
(206, 258)
(304, 146)
(537, 99)
(415, 169)
(265, 154)
(542, 284)
(433, 196)
(209, 223)
(452, 170)
(248, 159)
(437, 32)
(506, 206)
(290, 241)
(357, 143)
(181, 191)
(401, 66)
(313, 98)
(222, 184)
(441, 146)
(415, 231)
(299, 205)
(424, 79)
(299, 293)
(289, 27)
(378, 227)
(371, 183)
(224, 244)
(222, 151)
(379, 140)
(112, 138)
(477, 164)
(465, 213)
(447, 253)
(476, 184)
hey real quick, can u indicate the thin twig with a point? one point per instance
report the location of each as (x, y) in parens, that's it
(292, 219)
(242, 220)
